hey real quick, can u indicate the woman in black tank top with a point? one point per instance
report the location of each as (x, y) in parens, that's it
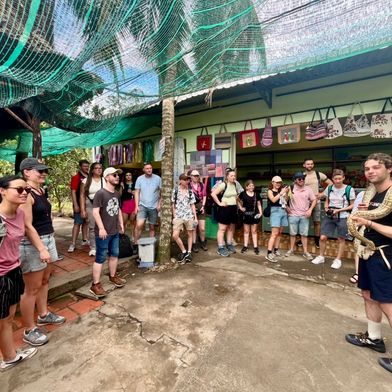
(38, 251)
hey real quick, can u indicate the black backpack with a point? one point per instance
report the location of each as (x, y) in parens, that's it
(126, 249)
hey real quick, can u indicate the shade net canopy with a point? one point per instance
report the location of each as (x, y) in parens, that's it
(83, 65)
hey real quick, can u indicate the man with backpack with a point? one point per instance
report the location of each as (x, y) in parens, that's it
(338, 204)
(184, 214)
(314, 179)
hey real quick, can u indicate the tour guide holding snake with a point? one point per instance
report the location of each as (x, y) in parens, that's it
(375, 251)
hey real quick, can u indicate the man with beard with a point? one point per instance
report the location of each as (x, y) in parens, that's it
(375, 274)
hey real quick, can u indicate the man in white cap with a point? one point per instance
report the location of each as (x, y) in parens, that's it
(108, 225)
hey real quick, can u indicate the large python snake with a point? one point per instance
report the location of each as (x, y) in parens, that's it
(363, 246)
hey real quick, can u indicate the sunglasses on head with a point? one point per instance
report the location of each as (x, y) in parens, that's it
(21, 189)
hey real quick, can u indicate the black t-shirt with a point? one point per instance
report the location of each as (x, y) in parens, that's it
(250, 202)
(42, 214)
(127, 192)
(277, 202)
(374, 235)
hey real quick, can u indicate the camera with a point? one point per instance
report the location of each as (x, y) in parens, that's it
(329, 213)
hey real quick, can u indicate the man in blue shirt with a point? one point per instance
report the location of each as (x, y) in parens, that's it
(148, 200)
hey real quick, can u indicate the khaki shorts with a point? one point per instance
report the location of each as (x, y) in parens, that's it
(179, 223)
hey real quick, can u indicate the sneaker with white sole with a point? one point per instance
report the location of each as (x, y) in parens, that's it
(222, 251)
(277, 253)
(231, 248)
(21, 355)
(307, 256)
(85, 242)
(71, 248)
(362, 339)
(271, 257)
(336, 264)
(92, 252)
(318, 260)
(51, 319)
(289, 253)
(35, 337)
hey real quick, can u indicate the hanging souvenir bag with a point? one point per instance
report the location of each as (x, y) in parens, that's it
(381, 125)
(267, 138)
(316, 130)
(290, 133)
(223, 138)
(356, 128)
(334, 128)
(249, 138)
(204, 141)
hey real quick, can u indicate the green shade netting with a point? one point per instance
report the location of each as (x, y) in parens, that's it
(82, 65)
(56, 141)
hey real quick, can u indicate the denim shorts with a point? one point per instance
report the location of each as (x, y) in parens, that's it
(278, 217)
(330, 225)
(373, 275)
(108, 247)
(151, 214)
(299, 225)
(29, 255)
(78, 220)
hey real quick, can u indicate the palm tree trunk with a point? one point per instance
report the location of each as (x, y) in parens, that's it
(167, 180)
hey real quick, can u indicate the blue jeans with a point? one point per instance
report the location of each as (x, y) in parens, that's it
(108, 247)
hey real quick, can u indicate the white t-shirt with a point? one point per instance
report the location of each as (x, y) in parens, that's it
(95, 186)
(338, 199)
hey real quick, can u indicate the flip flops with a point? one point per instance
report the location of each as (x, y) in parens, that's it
(354, 279)
(20, 357)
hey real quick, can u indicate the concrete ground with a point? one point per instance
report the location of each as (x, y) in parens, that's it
(217, 324)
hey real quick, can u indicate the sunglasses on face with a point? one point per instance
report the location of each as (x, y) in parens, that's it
(300, 179)
(43, 171)
(21, 189)
(114, 174)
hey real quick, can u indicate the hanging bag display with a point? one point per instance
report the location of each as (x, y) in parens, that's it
(356, 128)
(381, 124)
(290, 133)
(267, 138)
(316, 130)
(249, 138)
(204, 142)
(223, 138)
(334, 128)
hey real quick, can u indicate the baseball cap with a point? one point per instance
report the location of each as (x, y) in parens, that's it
(195, 173)
(32, 163)
(111, 170)
(276, 179)
(298, 175)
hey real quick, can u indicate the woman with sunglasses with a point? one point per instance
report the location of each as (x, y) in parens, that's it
(38, 251)
(128, 202)
(14, 191)
(277, 199)
(88, 188)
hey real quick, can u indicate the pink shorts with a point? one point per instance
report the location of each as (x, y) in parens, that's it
(128, 207)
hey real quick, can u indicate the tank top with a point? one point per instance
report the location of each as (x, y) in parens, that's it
(42, 214)
(127, 192)
(277, 202)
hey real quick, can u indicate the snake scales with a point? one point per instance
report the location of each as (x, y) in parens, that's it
(363, 246)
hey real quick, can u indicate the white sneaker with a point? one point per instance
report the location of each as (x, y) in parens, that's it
(336, 264)
(289, 253)
(277, 253)
(71, 248)
(85, 242)
(307, 256)
(318, 260)
(92, 252)
(271, 257)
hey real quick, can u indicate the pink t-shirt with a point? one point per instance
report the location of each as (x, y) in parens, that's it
(301, 200)
(9, 249)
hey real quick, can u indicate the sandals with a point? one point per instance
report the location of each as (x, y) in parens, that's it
(20, 357)
(354, 279)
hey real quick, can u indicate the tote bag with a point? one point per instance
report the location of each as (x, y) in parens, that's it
(381, 124)
(359, 127)
(249, 138)
(204, 141)
(267, 138)
(290, 133)
(334, 128)
(223, 138)
(316, 130)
